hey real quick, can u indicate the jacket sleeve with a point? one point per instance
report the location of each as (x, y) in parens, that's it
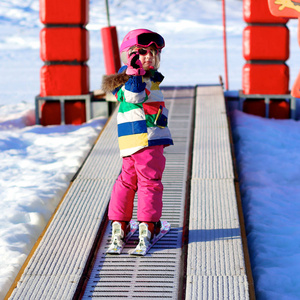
(135, 90)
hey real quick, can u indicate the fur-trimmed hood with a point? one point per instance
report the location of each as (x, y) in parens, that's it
(111, 82)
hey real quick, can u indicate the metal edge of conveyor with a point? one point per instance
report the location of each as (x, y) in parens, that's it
(241, 214)
(185, 233)
(95, 142)
(96, 244)
(91, 259)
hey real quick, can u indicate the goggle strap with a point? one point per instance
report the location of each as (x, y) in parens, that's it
(134, 42)
(149, 38)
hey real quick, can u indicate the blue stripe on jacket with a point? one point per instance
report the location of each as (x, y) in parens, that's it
(132, 128)
(157, 142)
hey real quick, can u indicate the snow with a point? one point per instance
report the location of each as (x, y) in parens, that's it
(268, 158)
(37, 163)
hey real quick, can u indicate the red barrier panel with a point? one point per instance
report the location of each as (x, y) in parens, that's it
(50, 113)
(64, 44)
(255, 107)
(75, 113)
(63, 47)
(60, 80)
(278, 109)
(64, 11)
(266, 43)
(260, 78)
(257, 11)
(111, 49)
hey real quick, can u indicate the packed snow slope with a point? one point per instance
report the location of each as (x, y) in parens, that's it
(36, 163)
(268, 157)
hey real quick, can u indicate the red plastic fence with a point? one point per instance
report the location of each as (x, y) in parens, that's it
(262, 78)
(64, 44)
(289, 10)
(266, 42)
(62, 80)
(64, 12)
(265, 49)
(65, 50)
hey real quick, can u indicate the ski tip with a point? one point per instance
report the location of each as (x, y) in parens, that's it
(137, 253)
(117, 249)
(143, 251)
(112, 252)
(165, 225)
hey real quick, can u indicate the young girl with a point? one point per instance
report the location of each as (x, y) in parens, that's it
(142, 134)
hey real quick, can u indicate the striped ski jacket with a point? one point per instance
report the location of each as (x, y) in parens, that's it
(139, 126)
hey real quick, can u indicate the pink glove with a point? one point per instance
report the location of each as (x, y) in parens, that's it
(135, 66)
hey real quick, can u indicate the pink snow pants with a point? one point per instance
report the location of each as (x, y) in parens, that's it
(142, 173)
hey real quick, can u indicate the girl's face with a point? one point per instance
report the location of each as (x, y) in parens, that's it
(147, 56)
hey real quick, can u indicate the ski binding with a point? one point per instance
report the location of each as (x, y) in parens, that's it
(145, 245)
(117, 245)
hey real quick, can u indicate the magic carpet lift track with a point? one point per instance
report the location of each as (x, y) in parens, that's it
(200, 258)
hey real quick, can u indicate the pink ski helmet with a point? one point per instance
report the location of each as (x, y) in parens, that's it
(141, 38)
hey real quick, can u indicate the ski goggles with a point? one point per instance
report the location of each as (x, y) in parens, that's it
(145, 40)
(143, 51)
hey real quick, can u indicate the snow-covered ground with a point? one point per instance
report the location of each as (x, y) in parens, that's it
(37, 163)
(268, 157)
(36, 167)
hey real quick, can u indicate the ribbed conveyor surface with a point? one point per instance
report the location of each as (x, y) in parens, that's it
(215, 263)
(159, 274)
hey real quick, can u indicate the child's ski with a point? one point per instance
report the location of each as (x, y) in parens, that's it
(143, 247)
(117, 245)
